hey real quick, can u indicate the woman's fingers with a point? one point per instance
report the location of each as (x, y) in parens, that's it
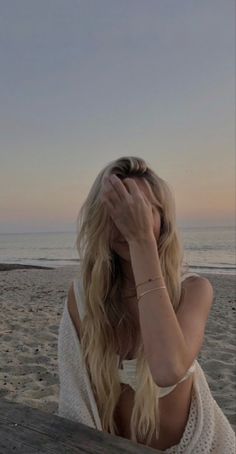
(132, 187)
(109, 194)
(115, 190)
(119, 186)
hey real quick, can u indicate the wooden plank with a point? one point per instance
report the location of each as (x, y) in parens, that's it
(27, 430)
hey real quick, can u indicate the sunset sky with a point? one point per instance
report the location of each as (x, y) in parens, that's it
(83, 82)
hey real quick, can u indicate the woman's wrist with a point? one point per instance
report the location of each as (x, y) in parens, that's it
(145, 263)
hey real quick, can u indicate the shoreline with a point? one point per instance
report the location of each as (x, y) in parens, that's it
(31, 304)
(19, 266)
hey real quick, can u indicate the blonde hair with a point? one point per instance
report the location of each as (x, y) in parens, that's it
(101, 275)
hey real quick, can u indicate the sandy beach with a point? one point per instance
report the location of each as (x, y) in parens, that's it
(31, 303)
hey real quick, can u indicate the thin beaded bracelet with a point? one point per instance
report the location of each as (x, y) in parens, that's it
(147, 291)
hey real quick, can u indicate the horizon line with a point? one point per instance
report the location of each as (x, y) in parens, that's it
(70, 231)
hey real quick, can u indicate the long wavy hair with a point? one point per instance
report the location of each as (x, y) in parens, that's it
(105, 316)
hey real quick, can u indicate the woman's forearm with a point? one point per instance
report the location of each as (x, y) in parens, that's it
(164, 343)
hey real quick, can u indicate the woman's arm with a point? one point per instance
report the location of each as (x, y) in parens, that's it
(172, 341)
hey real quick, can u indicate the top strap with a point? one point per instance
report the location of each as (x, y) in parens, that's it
(79, 297)
(188, 274)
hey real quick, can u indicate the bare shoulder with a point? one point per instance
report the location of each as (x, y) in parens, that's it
(201, 282)
(197, 290)
(198, 282)
(72, 309)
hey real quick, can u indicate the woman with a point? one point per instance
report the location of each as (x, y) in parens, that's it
(133, 323)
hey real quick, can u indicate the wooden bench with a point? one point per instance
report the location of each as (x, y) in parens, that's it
(27, 430)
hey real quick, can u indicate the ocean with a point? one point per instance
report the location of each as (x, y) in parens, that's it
(206, 249)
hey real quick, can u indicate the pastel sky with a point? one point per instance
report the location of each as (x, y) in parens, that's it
(83, 82)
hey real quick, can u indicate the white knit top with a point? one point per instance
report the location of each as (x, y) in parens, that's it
(207, 429)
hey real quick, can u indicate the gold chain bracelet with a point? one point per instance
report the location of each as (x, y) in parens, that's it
(148, 280)
(147, 291)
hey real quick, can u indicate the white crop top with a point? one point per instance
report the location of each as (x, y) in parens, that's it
(128, 375)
